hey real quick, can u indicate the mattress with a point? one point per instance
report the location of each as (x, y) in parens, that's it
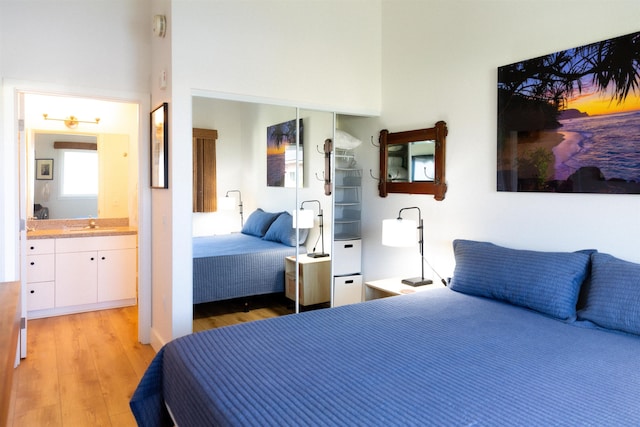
(430, 358)
(237, 265)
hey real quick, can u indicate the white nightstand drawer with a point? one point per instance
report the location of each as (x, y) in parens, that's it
(40, 296)
(347, 290)
(347, 257)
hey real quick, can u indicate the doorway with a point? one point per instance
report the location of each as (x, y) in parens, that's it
(66, 114)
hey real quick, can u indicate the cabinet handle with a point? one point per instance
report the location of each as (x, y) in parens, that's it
(32, 263)
(92, 258)
(348, 246)
(32, 291)
(32, 247)
(348, 282)
(104, 258)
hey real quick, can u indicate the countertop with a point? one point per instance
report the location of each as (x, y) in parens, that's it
(69, 232)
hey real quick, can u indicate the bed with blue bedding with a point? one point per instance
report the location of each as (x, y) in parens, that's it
(507, 343)
(247, 263)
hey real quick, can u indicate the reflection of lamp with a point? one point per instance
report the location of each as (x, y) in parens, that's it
(226, 204)
(304, 219)
(402, 233)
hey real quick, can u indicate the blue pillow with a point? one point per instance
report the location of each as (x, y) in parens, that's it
(548, 282)
(281, 230)
(613, 300)
(258, 222)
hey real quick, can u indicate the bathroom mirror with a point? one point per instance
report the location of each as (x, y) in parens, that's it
(88, 176)
(413, 161)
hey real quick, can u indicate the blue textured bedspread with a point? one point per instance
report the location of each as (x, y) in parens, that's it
(433, 358)
(237, 265)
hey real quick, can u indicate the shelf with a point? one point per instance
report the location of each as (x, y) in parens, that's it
(346, 236)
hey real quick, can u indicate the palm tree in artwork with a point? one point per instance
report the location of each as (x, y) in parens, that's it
(540, 87)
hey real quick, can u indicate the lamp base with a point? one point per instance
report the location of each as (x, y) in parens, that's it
(417, 281)
(317, 255)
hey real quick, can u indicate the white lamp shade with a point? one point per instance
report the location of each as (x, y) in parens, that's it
(226, 203)
(399, 232)
(303, 218)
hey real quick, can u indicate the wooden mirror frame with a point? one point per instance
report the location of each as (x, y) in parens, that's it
(437, 187)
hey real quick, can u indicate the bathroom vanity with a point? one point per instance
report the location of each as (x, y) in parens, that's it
(78, 267)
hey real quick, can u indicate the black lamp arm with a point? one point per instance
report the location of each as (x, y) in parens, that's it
(239, 204)
(420, 234)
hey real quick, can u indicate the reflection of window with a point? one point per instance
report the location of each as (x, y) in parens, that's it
(422, 168)
(79, 173)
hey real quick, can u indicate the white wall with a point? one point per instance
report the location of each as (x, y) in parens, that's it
(98, 49)
(440, 60)
(320, 54)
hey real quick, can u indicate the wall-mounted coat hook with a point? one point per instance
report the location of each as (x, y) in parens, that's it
(373, 143)
(371, 173)
(319, 150)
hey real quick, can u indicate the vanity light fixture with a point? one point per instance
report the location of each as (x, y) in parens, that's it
(72, 121)
(304, 219)
(401, 232)
(226, 204)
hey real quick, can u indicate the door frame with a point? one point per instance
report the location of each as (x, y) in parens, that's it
(14, 113)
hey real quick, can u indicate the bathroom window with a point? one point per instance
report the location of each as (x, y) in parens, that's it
(79, 173)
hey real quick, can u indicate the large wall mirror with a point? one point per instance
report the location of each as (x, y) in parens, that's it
(87, 176)
(413, 161)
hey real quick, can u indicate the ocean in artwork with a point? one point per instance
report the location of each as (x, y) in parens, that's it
(609, 142)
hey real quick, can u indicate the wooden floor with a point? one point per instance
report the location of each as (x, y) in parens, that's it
(80, 370)
(225, 313)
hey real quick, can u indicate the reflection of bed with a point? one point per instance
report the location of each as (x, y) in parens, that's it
(502, 346)
(243, 264)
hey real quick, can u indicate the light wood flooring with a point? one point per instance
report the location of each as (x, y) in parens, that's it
(80, 370)
(225, 313)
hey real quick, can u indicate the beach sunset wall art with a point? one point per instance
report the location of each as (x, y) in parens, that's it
(569, 121)
(284, 157)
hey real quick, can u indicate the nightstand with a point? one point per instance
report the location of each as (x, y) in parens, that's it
(391, 287)
(315, 279)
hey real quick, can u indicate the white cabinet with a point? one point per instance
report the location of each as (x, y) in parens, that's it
(116, 274)
(95, 269)
(76, 278)
(82, 274)
(40, 274)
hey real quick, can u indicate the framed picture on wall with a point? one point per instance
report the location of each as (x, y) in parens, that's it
(44, 169)
(160, 147)
(569, 121)
(285, 161)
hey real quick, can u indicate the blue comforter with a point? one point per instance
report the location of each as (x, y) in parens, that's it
(237, 265)
(436, 358)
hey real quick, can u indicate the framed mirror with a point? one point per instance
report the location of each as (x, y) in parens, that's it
(413, 161)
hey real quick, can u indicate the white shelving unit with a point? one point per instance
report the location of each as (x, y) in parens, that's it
(347, 229)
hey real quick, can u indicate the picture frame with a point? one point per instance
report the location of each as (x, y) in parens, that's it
(44, 169)
(569, 121)
(159, 150)
(285, 158)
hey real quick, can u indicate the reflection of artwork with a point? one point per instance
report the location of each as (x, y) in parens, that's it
(284, 161)
(570, 121)
(44, 169)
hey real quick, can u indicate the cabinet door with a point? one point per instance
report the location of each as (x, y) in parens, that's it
(116, 274)
(76, 278)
